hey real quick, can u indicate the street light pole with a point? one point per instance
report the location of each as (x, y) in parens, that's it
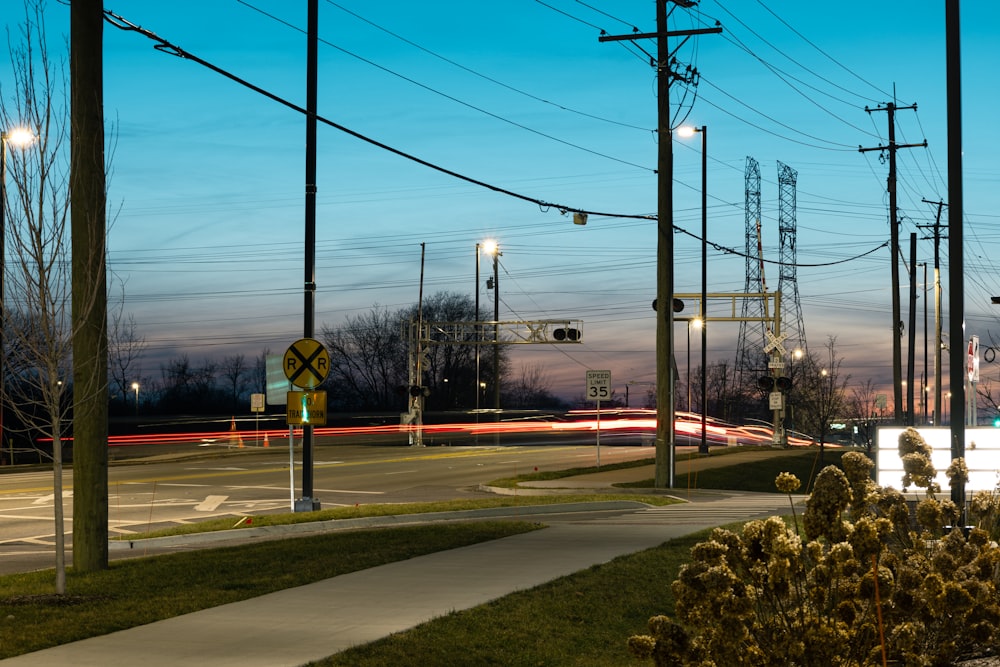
(135, 387)
(3, 270)
(20, 137)
(703, 446)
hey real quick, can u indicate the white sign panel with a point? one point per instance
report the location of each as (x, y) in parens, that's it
(974, 359)
(982, 456)
(599, 385)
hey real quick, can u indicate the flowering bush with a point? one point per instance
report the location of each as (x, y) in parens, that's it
(861, 583)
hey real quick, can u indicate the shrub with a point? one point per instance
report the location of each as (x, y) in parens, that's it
(863, 582)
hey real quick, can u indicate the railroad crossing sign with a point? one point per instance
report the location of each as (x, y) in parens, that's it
(774, 342)
(306, 363)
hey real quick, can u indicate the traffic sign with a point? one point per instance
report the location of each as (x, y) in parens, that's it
(306, 363)
(306, 408)
(599, 385)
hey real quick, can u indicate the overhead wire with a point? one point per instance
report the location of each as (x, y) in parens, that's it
(450, 97)
(824, 53)
(465, 68)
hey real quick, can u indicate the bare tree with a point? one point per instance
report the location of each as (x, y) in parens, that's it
(367, 360)
(866, 408)
(234, 370)
(37, 319)
(822, 397)
(125, 349)
(532, 389)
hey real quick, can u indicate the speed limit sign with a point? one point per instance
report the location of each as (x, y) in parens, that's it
(599, 385)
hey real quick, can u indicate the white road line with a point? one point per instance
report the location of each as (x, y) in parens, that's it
(210, 504)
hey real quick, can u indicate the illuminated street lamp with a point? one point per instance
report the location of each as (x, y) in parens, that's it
(690, 132)
(17, 137)
(135, 388)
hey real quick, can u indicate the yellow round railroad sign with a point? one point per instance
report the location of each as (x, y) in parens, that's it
(306, 363)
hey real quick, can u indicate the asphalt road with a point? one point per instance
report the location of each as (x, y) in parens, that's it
(184, 487)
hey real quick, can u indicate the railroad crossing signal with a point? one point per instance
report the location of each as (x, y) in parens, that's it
(306, 363)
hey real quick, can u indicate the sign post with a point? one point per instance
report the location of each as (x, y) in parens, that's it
(598, 387)
(305, 364)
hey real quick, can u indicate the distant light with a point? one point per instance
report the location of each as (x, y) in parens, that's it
(490, 247)
(685, 131)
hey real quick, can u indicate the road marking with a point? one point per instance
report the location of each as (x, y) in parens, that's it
(210, 504)
(370, 493)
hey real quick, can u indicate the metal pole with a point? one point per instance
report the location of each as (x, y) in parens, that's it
(689, 363)
(478, 336)
(3, 270)
(926, 376)
(703, 447)
(309, 284)
(496, 342)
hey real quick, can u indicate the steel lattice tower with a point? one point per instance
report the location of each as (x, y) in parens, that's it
(748, 354)
(791, 308)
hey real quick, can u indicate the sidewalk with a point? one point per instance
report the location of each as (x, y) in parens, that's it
(295, 626)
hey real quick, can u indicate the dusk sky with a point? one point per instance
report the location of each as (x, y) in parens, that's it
(207, 183)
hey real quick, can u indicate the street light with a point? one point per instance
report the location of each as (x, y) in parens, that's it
(18, 137)
(135, 388)
(690, 132)
(491, 247)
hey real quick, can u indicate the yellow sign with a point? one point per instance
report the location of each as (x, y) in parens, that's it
(306, 408)
(306, 363)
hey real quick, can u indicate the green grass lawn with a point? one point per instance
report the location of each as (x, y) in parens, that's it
(583, 619)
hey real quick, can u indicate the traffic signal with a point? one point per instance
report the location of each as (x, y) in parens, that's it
(996, 421)
(678, 305)
(566, 334)
(765, 382)
(416, 390)
(783, 383)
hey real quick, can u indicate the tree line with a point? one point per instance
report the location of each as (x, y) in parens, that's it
(371, 357)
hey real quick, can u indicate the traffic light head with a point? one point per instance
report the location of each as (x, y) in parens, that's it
(568, 333)
(783, 383)
(996, 421)
(765, 382)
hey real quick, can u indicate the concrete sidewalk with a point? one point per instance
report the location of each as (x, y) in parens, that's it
(295, 626)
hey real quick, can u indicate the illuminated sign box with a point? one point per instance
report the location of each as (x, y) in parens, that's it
(982, 457)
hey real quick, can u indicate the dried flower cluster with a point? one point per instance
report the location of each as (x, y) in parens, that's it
(866, 581)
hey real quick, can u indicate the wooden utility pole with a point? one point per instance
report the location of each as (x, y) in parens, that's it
(665, 438)
(89, 295)
(937, 308)
(897, 322)
(956, 256)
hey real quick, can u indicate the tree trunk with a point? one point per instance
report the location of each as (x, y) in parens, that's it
(57, 503)
(90, 343)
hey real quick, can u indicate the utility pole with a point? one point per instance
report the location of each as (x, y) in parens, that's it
(665, 437)
(897, 323)
(937, 308)
(910, 351)
(956, 256)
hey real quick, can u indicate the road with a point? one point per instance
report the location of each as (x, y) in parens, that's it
(157, 492)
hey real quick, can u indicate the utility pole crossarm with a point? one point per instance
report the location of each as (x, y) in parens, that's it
(653, 35)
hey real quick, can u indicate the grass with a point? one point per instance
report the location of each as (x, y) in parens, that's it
(583, 619)
(758, 476)
(142, 590)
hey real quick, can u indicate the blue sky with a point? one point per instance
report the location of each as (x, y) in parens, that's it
(208, 176)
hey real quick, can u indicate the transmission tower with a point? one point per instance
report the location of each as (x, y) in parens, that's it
(748, 354)
(791, 309)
